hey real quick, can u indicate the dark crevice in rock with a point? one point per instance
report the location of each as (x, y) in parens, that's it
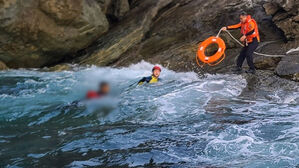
(134, 3)
(113, 20)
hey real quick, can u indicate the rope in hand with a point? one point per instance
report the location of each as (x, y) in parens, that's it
(257, 53)
(236, 40)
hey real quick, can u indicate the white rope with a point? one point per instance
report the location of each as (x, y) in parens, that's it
(261, 54)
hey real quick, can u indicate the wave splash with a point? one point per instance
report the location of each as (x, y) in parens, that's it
(184, 120)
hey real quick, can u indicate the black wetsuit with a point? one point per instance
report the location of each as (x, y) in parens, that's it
(150, 79)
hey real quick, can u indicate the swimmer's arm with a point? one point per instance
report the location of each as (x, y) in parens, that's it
(141, 81)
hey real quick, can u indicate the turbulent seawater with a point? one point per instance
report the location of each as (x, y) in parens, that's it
(183, 121)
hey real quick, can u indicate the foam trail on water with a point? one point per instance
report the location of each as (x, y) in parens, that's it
(185, 120)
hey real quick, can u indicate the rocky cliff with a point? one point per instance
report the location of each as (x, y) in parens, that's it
(285, 15)
(37, 33)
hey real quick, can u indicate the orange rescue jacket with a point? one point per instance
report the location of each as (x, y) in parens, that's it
(249, 29)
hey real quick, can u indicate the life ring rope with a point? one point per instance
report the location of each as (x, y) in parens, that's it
(216, 63)
(219, 56)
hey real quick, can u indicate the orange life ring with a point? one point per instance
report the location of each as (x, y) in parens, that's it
(211, 60)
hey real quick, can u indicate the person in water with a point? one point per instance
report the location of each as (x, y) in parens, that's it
(153, 78)
(104, 90)
(250, 39)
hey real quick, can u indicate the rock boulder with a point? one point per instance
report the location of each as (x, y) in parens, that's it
(289, 66)
(35, 33)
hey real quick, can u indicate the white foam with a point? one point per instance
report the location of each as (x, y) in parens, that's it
(86, 163)
(177, 104)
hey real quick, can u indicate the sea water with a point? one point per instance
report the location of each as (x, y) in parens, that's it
(185, 120)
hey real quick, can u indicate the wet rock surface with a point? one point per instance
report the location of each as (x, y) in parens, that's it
(289, 66)
(268, 63)
(60, 67)
(265, 83)
(3, 66)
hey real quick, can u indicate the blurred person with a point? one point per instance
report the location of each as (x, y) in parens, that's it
(103, 90)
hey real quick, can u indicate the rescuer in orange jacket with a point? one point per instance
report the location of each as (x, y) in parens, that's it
(250, 38)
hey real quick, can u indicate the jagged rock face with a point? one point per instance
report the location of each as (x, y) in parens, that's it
(286, 16)
(35, 33)
(289, 66)
(179, 27)
(126, 34)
